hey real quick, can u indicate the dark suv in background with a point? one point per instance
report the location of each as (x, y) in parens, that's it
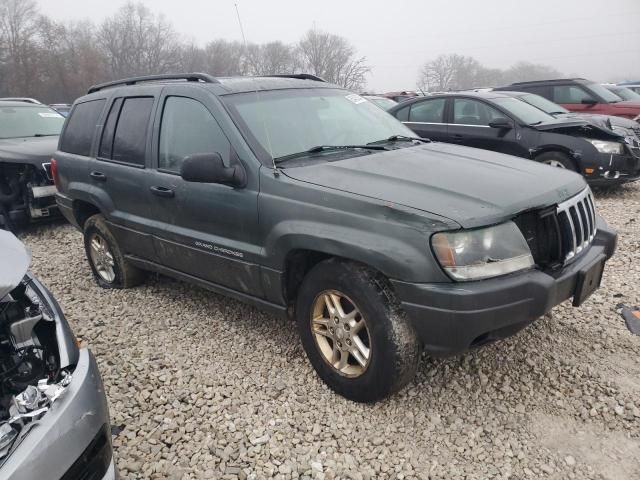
(579, 95)
(300, 197)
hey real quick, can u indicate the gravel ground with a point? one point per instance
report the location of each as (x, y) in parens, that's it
(201, 386)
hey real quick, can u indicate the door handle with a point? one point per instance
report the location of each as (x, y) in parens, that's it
(457, 136)
(101, 177)
(162, 191)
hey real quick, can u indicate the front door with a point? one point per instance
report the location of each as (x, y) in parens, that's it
(204, 230)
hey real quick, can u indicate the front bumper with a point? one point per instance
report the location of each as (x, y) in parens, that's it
(61, 437)
(450, 318)
(614, 170)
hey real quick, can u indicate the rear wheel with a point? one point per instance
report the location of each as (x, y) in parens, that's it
(354, 333)
(109, 267)
(558, 160)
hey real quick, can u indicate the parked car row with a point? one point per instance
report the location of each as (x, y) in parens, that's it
(312, 202)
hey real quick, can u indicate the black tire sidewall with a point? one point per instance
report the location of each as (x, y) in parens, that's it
(96, 226)
(382, 374)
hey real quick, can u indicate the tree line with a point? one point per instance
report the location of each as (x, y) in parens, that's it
(57, 61)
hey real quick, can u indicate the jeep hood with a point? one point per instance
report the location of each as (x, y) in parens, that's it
(31, 150)
(14, 262)
(470, 186)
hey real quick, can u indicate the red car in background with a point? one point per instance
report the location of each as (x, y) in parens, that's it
(580, 95)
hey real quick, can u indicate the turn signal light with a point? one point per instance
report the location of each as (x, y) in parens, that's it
(589, 170)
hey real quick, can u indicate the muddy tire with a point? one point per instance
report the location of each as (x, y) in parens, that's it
(354, 333)
(557, 159)
(109, 267)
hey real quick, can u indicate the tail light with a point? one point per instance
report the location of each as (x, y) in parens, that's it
(54, 172)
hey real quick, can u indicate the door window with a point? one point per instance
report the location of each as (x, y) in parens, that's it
(467, 111)
(124, 138)
(429, 111)
(403, 114)
(188, 128)
(570, 94)
(81, 126)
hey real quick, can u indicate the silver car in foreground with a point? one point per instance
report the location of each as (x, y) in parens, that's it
(54, 418)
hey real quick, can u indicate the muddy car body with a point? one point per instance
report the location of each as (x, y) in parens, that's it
(28, 137)
(54, 419)
(307, 200)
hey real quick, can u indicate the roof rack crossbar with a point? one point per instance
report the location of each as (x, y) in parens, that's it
(548, 80)
(189, 77)
(299, 76)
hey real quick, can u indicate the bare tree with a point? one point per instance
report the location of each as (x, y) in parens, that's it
(18, 49)
(333, 58)
(271, 58)
(223, 58)
(136, 41)
(448, 72)
(523, 71)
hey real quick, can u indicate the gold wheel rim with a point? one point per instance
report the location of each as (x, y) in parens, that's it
(340, 333)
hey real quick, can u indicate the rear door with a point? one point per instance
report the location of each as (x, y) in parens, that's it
(119, 173)
(469, 125)
(205, 230)
(426, 118)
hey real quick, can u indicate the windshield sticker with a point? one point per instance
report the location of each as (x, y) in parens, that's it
(49, 115)
(354, 98)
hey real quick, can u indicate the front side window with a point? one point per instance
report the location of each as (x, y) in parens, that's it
(287, 122)
(429, 111)
(188, 128)
(467, 111)
(570, 94)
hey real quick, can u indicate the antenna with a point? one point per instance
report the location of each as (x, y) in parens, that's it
(276, 172)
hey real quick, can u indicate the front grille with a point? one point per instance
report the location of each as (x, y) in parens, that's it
(557, 235)
(94, 461)
(577, 220)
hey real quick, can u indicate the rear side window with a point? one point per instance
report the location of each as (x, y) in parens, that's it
(78, 133)
(430, 111)
(188, 128)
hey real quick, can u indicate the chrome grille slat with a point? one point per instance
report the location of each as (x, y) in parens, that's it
(580, 214)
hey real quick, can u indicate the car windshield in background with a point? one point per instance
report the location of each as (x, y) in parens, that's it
(543, 104)
(626, 93)
(287, 122)
(523, 111)
(29, 121)
(604, 93)
(383, 103)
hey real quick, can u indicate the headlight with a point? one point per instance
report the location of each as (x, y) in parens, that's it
(488, 252)
(606, 147)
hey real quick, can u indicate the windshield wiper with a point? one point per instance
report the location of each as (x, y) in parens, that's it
(535, 123)
(400, 138)
(327, 148)
(45, 134)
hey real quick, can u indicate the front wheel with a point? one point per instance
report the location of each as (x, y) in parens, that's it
(558, 160)
(354, 333)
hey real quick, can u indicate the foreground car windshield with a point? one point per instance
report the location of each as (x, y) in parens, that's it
(29, 121)
(523, 111)
(543, 104)
(286, 122)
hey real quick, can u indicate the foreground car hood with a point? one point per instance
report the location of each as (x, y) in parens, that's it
(469, 186)
(33, 150)
(14, 261)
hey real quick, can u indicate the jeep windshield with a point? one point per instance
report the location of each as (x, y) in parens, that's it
(296, 123)
(29, 121)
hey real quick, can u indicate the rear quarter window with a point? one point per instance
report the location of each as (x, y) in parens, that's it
(81, 126)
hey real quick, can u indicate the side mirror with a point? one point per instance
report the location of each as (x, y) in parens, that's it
(588, 101)
(501, 123)
(209, 168)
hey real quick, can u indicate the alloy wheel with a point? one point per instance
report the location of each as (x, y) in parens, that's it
(555, 163)
(341, 334)
(102, 258)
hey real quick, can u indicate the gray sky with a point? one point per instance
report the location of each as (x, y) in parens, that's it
(597, 39)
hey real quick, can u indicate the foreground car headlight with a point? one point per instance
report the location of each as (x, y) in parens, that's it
(487, 252)
(606, 147)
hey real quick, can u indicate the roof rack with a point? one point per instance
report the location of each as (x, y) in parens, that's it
(21, 99)
(550, 80)
(189, 77)
(299, 76)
